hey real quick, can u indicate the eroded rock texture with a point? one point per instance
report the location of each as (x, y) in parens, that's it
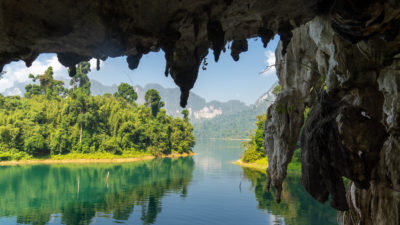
(285, 116)
(352, 129)
(351, 45)
(184, 30)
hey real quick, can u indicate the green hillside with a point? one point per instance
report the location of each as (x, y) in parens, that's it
(236, 125)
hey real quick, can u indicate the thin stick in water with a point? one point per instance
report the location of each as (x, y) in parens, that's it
(108, 175)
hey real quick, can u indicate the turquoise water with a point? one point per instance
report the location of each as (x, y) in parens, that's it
(203, 189)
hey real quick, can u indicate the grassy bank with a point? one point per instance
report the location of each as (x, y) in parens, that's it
(89, 158)
(262, 165)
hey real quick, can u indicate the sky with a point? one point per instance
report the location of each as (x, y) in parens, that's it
(222, 81)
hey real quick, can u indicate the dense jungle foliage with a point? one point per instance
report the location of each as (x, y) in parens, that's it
(255, 146)
(54, 120)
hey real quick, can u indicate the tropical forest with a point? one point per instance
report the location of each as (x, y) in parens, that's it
(53, 121)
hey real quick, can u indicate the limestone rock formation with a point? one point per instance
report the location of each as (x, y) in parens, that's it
(184, 30)
(285, 116)
(352, 130)
(352, 46)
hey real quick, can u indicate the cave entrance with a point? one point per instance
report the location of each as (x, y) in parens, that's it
(224, 90)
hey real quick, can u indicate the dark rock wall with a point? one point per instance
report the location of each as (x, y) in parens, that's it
(352, 130)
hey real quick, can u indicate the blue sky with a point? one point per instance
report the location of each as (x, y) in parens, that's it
(221, 81)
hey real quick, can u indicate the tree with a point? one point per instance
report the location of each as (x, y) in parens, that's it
(81, 79)
(35, 143)
(185, 114)
(48, 86)
(126, 92)
(153, 100)
(32, 89)
(255, 146)
(80, 105)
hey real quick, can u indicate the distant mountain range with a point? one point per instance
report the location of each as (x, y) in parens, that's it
(230, 120)
(214, 119)
(198, 107)
(235, 125)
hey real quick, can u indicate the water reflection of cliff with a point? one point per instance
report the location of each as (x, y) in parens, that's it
(77, 193)
(297, 207)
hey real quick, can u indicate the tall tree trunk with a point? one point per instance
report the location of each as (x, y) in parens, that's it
(80, 134)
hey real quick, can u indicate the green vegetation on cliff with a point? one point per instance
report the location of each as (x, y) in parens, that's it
(52, 120)
(254, 148)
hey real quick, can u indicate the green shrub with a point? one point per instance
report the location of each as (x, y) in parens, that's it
(5, 156)
(35, 145)
(251, 155)
(111, 146)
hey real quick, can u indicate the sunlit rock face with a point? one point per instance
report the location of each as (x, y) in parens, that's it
(352, 46)
(352, 129)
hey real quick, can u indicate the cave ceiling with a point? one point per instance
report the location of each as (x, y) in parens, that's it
(184, 29)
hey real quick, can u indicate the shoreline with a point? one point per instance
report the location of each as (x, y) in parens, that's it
(255, 166)
(88, 161)
(291, 169)
(226, 139)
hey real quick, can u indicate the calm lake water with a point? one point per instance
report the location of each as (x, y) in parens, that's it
(204, 189)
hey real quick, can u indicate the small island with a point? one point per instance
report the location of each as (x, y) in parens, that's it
(52, 123)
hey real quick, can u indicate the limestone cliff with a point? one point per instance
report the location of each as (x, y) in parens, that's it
(352, 130)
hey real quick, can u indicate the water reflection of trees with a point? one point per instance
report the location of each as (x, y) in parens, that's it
(297, 207)
(78, 192)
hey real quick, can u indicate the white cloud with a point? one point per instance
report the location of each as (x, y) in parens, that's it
(270, 61)
(93, 64)
(13, 92)
(18, 72)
